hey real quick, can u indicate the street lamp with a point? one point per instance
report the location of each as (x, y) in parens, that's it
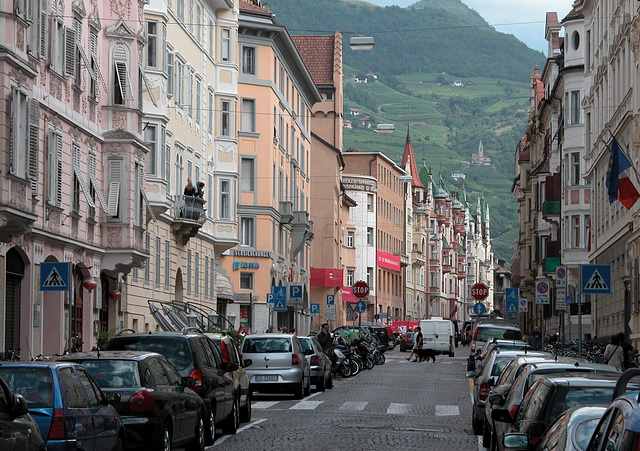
(361, 43)
(385, 128)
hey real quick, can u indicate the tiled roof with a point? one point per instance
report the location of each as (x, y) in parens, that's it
(408, 156)
(250, 6)
(318, 55)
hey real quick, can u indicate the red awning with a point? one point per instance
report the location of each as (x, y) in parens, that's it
(347, 296)
(326, 277)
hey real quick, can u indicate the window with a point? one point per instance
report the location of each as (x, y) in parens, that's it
(248, 123)
(95, 71)
(189, 101)
(350, 277)
(114, 176)
(198, 20)
(55, 168)
(157, 271)
(167, 264)
(188, 271)
(170, 74)
(152, 43)
(179, 169)
(350, 238)
(370, 236)
(370, 277)
(247, 232)
(225, 118)
(196, 271)
(575, 107)
(139, 205)
(179, 83)
(211, 109)
(575, 168)
(225, 199)
(576, 231)
(165, 51)
(211, 30)
(73, 389)
(369, 202)
(147, 267)
(247, 174)
(19, 133)
(122, 91)
(151, 141)
(180, 10)
(190, 20)
(57, 43)
(198, 101)
(249, 60)
(226, 45)
(72, 57)
(246, 281)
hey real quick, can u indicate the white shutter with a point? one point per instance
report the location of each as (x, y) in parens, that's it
(69, 52)
(148, 86)
(124, 81)
(78, 173)
(44, 29)
(114, 187)
(86, 61)
(58, 187)
(34, 144)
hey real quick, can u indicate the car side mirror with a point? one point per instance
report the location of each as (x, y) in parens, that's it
(501, 415)
(470, 374)
(247, 362)
(516, 442)
(19, 406)
(189, 381)
(228, 367)
(496, 399)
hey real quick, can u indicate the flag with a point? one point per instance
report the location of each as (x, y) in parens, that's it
(619, 184)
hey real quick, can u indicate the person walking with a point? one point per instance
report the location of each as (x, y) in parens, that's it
(325, 339)
(537, 338)
(417, 344)
(613, 353)
(626, 350)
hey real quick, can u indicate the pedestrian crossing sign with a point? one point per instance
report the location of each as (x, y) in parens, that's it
(595, 279)
(54, 276)
(512, 307)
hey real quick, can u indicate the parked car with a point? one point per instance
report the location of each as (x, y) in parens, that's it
(194, 355)
(489, 346)
(157, 409)
(484, 381)
(619, 427)
(488, 331)
(19, 430)
(231, 354)
(384, 337)
(571, 431)
(320, 363)
(278, 364)
(466, 333)
(67, 405)
(406, 343)
(439, 334)
(549, 396)
(509, 400)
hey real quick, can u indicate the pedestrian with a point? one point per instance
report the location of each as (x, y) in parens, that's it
(324, 338)
(626, 350)
(242, 331)
(269, 329)
(613, 353)
(417, 343)
(293, 331)
(537, 339)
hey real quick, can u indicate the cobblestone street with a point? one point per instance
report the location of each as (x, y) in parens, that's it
(398, 405)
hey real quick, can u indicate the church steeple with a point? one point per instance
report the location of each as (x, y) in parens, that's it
(408, 158)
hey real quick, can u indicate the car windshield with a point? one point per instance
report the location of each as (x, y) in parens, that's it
(579, 396)
(176, 350)
(583, 432)
(489, 333)
(113, 373)
(305, 343)
(266, 345)
(35, 384)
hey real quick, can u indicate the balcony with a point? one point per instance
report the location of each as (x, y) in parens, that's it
(550, 264)
(551, 210)
(14, 222)
(301, 231)
(417, 258)
(286, 212)
(189, 216)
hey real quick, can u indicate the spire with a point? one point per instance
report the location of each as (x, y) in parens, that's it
(408, 136)
(409, 160)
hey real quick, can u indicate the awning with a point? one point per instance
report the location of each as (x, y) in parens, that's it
(347, 296)
(224, 287)
(326, 277)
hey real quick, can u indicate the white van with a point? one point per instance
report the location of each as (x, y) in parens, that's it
(438, 334)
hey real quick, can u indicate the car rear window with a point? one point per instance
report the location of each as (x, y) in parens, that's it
(489, 333)
(266, 345)
(176, 350)
(113, 373)
(305, 343)
(499, 364)
(35, 384)
(567, 398)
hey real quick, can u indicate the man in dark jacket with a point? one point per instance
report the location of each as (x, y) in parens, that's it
(325, 339)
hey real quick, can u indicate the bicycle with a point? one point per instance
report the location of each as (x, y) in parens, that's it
(12, 355)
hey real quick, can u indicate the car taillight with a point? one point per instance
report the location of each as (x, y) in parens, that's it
(450, 339)
(406, 340)
(225, 353)
(484, 391)
(141, 402)
(513, 410)
(474, 339)
(197, 375)
(58, 428)
(315, 360)
(295, 360)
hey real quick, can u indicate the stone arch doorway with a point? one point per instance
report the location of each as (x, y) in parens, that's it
(13, 296)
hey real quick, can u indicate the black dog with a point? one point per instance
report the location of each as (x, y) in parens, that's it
(425, 354)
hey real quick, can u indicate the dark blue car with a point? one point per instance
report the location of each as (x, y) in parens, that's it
(70, 409)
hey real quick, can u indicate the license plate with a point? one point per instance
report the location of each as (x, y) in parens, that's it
(266, 378)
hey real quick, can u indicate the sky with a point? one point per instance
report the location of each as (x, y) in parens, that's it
(523, 19)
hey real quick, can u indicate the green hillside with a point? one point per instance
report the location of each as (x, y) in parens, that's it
(420, 52)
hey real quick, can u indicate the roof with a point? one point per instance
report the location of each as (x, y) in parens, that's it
(584, 380)
(318, 55)
(250, 6)
(128, 355)
(409, 157)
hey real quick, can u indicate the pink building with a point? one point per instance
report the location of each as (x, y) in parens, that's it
(73, 167)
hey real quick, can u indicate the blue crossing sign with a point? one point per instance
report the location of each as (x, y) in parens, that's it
(54, 276)
(479, 308)
(595, 279)
(512, 294)
(511, 306)
(280, 299)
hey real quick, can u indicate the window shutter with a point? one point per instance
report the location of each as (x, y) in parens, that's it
(147, 84)
(44, 29)
(69, 52)
(13, 105)
(98, 290)
(34, 145)
(78, 172)
(114, 187)
(58, 187)
(85, 60)
(122, 73)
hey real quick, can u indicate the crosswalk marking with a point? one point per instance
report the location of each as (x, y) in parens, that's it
(443, 411)
(306, 405)
(398, 409)
(354, 405)
(263, 404)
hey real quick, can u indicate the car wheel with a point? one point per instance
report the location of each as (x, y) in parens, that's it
(210, 432)
(165, 441)
(231, 424)
(486, 437)
(330, 381)
(197, 444)
(307, 390)
(245, 412)
(452, 354)
(298, 391)
(321, 384)
(477, 426)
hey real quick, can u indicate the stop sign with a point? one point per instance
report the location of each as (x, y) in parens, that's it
(479, 291)
(360, 289)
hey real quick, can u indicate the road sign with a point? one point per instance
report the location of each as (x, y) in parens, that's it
(295, 294)
(561, 298)
(503, 310)
(479, 291)
(479, 308)
(270, 298)
(360, 289)
(542, 292)
(524, 306)
(280, 299)
(512, 294)
(331, 299)
(314, 309)
(54, 276)
(353, 306)
(595, 279)
(561, 277)
(330, 313)
(361, 307)
(511, 307)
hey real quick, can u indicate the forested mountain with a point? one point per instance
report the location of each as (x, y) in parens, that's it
(442, 71)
